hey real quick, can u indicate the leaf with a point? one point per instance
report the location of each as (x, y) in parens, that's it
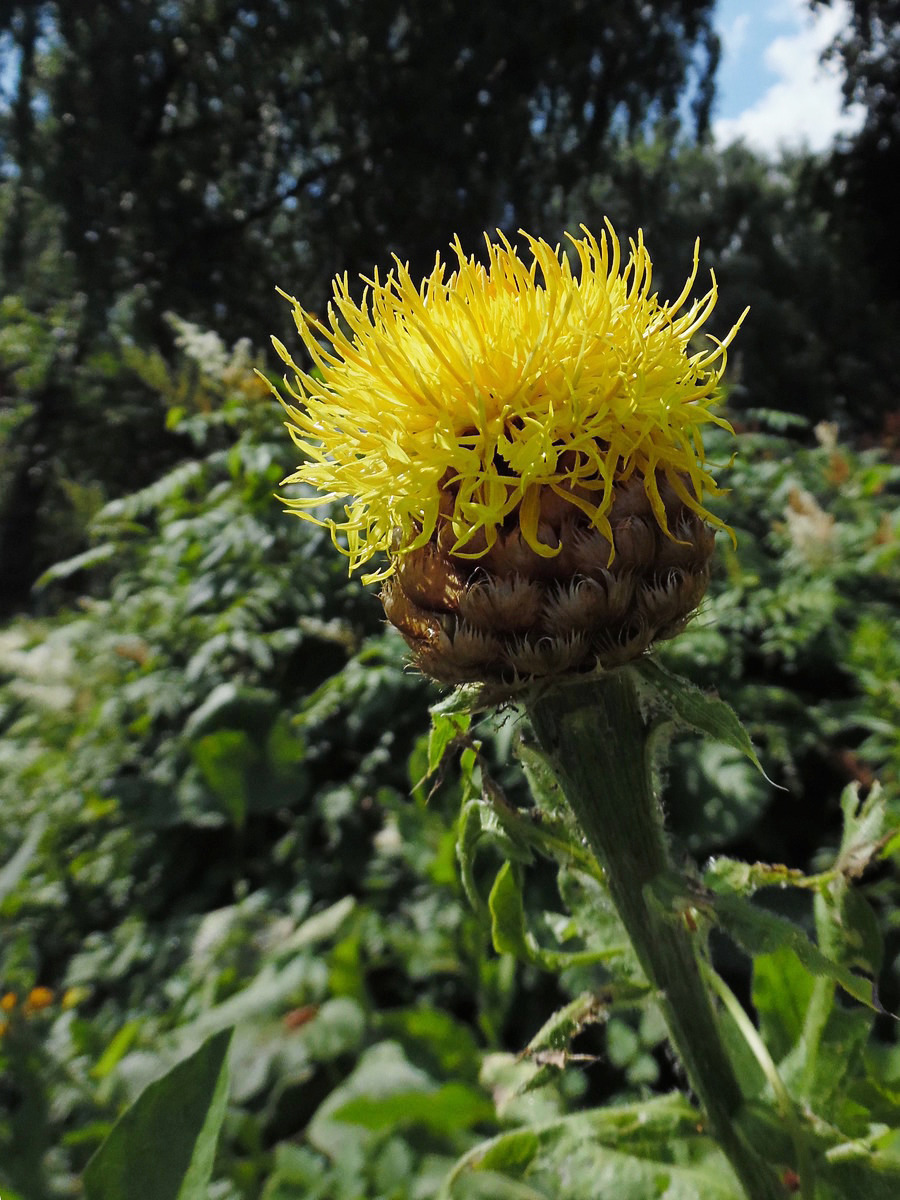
(79, 562)
(761, 932)
(510, 934)
(117, 1048)
(468, 836)
(436, 1036)
(449, 1108)
(858, 1174)
(229, 706)
(462, 700)
(838, 1055)
(381, 1072)
(324, 926)
(782, 988)
(14, 868)
(227, 760)
(541, 777)
(866, 828)
(445, 729)
(623, 1151)
(163, 1146)
(690, 708)
(548, 1051)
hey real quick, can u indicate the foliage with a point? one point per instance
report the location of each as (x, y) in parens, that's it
(868, 52)
(223, 810)
(228, 138)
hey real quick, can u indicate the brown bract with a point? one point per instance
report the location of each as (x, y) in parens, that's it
(512, 615)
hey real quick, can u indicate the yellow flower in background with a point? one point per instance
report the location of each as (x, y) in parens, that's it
(478, 393)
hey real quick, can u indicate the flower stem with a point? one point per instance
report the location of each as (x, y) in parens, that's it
(597, 741)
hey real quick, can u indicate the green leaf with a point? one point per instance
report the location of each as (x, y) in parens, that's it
(510, 933)
(625, 1151)
(445, 729)
(462, 700)
(782, 988)
(866, 828)
(861, 1174)
(117, 1048)
(540, 775)
(381, 1072)
(732, 875)
(229, 706)
(227, 760)
(861, 941)
(80, 562)
(548, 1051)
(14, 868)
(163, 1146)
(838, 1055)
(508, 929)
(761, 932)
(689, 708)
(468, 836)
(449, 1108)
(438, 1037)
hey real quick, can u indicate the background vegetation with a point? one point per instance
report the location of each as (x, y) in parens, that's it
(215, 809)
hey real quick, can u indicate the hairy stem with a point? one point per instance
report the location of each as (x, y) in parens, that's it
(596, 739)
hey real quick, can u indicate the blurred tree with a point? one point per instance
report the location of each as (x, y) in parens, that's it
(199, 147)
(187, 156)
(861, 168)
(818, 341)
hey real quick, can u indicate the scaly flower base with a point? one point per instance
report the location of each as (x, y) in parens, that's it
(511, 614)
(595, 737)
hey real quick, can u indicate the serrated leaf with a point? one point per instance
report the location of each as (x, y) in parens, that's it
(548, 1050)
(866, 828)
(761, 932)
(623, 1150)
(163, 1146)
(445, 729)
(690, 708)
(539, 772)
(510, 933)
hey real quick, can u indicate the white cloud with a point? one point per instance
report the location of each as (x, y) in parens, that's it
(804, 105)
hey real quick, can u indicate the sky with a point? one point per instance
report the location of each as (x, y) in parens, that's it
(772, 91)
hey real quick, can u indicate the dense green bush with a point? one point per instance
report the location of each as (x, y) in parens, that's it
(217, 812)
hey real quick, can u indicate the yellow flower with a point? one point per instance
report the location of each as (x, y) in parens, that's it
(471, 399)
(8, 1002)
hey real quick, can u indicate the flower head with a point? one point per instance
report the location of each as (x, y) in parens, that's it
(505, 415)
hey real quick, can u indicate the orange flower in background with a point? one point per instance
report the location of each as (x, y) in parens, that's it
(38, 998)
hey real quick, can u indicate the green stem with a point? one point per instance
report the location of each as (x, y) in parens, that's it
(596, 739)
